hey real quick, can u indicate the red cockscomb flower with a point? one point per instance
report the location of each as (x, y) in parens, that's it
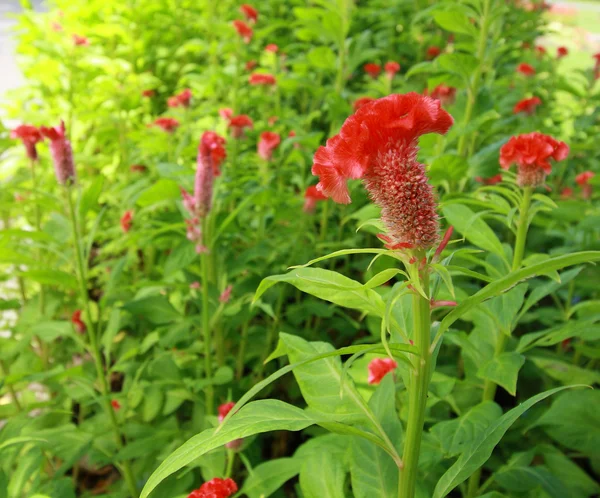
(215, 488)
(268, 142)
(182, 99)
(29, 136)
(226, 294)
(262, 79)
(127, 221)
(526, 69)
(62, 153)
(527, 105)
(80, 41)
(358, 103)
(372, 69)
(250, 65)
(243, 30)
(226, 113)
(271, 47)
(379, 367)
(272, 120)
(562, 52)
(391, 68)
(492, 180)
(238, 124)
(532, 153)
(311, 197)
(249, 12)
(78, 322)
(379, 144)
(211, 153)
(137, 168)
(167, 124)
(597, 59)
(433, 52)
(582, 180)
(444, 93)
(115, 404)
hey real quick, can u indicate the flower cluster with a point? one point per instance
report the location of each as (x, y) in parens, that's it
(215, 488)
(526, 69)
(62, 153)
(243, 30)
(262, 79)
(311, 197)
(182, 99)
(29, 136)
(166, 124)
(268, 142)
(238, 124)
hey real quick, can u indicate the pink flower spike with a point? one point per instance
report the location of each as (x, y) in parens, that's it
(439, 304)
(226, 294)
(188, 201)
(443, 243)
(62, 153)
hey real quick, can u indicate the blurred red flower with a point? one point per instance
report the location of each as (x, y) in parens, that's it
(268, 142)
(433, 52)
(29, 136)
(492, 180)
(540, 50)
(562, 52)
(167, 124)
(224, 410)
(250, 65)
(238, 124)
(372, 69)
(582, 180)
(126, 221)
(526, 69)
(311, 197)
(391, 68)
(115, 404)
(215, 488)
(379, 367)
(262, 79)
(78, 322)
(226, 113)
(182, 99)
(62, 153)
(527, 105)
(271, 47)
(249, 12)
(148, 93)
(80, 41)
(243, 30)
(444, 93)
(137, 168)
(226, 294)
(566, 193)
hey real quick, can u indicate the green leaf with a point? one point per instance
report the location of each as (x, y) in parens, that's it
(269, 476)
(523, 479)
(50, 330)
(460, 64)
(503, 370)
(155, 309)
(162, 190)
(505, 307)
(181, 257)
(112, 328)
(154, 398)
(89, 198)
(254, 418)
(51, 277)
(478, 452)
(322, 58)
(322, 476)
(454, 21)
(10, 256)
(566, 373)
(449, 167)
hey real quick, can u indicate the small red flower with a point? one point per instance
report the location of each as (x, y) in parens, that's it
(115, 404)
(195, 285)
(211, 153)
(433, 52)
(271, 47)
(149, 93)
(243, 30)
(379, 367)
(62, 153)
(226, 113)
(358, 103)
(583, 181)
(126, 221)
(262, 79)
(167, 124)
(238, 124)
(138, 168)
(562, 52)
(527, 105)
(272, 120)
(526, 69)
(541, 51)
(182, 99)
(379, 144)
(226, 294)
(80, 41)
(250, 12)
(224, 410)
(78, 322)
(250, 65)
(372, 69)
(268, 142)
(566, 193)
(215, 488)
(597, 60)
(532, 153)
(56, 27)
(29, 136)
(391, 68)
(493, 180)
(444, 93)
(311, 197)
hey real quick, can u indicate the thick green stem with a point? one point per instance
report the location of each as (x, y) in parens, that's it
(93, 339)
(417, 391)
(206, 334)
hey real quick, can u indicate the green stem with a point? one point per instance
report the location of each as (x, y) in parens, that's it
(230, 460)
(206, 333)
(9, 387)
(324, 220)
(239, 368)
(417, 392)
(93, 339)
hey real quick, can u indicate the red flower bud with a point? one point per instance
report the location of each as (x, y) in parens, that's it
(527, 105)
(379, 367)
(215, 488)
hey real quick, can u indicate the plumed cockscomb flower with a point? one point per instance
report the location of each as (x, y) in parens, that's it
(238, 124)
(311, 197)
(268, 142)
(62, 153)
(182, 99)
(249, 12)
(250, 65)
(583, 180)
(433, 52)
(562, 52)
(264, 79)
(391, 68)
(80, 41)
(226, 294)
(243, 30)
(372, 69)
(526, 69)
(271, 47)
(532, 153)
(126, 221)
(379, 367)
(566, 193)
(215, 488)
(78, 322)
(226, 113)
(527, 105)
(379, 144)
(444, 93)
(29, 136)
(166, 124)
(358, 103)
(211, 153)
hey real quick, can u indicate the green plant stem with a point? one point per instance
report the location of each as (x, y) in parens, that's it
(324, 220)
(9, 387)
(489, 387)
(230, 460)
(418, 387)
(124, 467)
(206, 334)
(239, 368)
(473, 89)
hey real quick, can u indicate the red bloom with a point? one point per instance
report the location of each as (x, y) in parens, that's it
(433, 52)
(491, 180)
(238, 124)
(311, 196)
(126, 221)
(167, 124)
(137, 168)
(226, 294)
(80, 41)
(56, 26)
(243, 30)
(78, 322)
(268, 142)
(372, 69)
(29, 136)
(250, 12)
(531, 153)
(444, 93)
(115, 404)
(173, 102)
(215, 488)
(182, 99)
(224, 410)
(379, 367)
(211, 154)
(562, 52)
(148, 93)
(358, 103)
(250, 65)
(526, 69)
(527, 105)
(379, 144)
(597, 58)
(271, 47)
(583, 181)
(391, 68)
(262, 79)
(566, 193)
(62, 153)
